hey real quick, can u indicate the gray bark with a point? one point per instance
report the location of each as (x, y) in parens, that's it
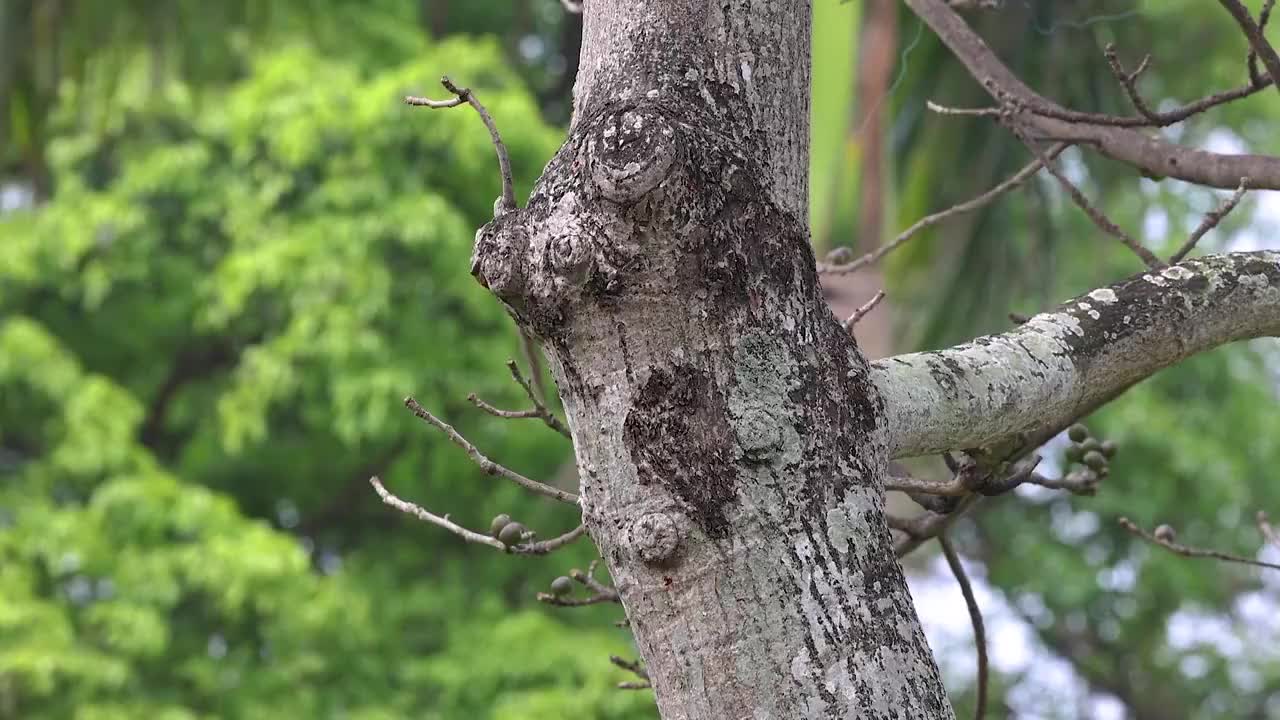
(1064, 363)
(732, 439)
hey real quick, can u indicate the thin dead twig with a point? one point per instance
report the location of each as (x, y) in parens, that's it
(1129, 81)
(631, 666)
(547, 416)
(975, 616)
(507, 202)
(1168, 543)
(600, 593)
(1099, 219)
(930, 220)
(920, 529)
(862, 310)
(538, 411)
(1252, 60)
(486, 465)
(1211, 220)
(532, 355)
(422, 513)
(524, 548)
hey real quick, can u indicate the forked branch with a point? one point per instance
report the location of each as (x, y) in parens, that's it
(1043, 119)
(488, 466)
(507, 201)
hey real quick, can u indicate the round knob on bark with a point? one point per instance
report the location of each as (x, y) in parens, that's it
(655, 538)
(631, 154)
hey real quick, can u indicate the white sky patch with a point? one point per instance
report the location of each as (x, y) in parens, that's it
(1050, 688)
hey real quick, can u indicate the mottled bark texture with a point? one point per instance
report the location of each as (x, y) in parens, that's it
(732, 439)
(729, 438)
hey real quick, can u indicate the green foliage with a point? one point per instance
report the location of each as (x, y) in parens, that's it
(204, 341)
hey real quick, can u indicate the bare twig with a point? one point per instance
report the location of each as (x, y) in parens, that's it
(533, 356)
(1152, 155)
(907, 484)
(488, 466)
(529, 547)
(538, 411)
(635, 685)
(1268, 532)
(1211, 220)
(930, 220)
(547, 416)
(975, 4)
(631, 666)
(975, 616)
(542, 547)
(1253, 32)
(862, 310)
(920, 529)
(1099, 219)
(970, 477)
(1252, 61)
(507, 202)
(558, 601)
(421, 513)
(600, 593)
(499, 412)
(965, 112)
(1077, 483)
(1172, 546)
(1129, 81)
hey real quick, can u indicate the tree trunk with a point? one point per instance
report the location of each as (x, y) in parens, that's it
(729, 438)
(732, 439)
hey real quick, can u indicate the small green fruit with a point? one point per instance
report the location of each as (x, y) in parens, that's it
(561, 586)
(1091, 444)
(499, 522)
(512, 534)
(1078, 432)
(1074, 453)
(1108, 448)
(1095, 460)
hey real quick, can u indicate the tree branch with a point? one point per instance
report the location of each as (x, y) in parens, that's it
(1164, 537)
(1042, 119)
(929, 221)
(1253, 32)
(526, 546)
(539, 410)
(975, 617)
(1062, 364)
(507, 201)
(488, 466)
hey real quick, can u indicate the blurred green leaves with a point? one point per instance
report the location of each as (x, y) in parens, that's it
(205, 336)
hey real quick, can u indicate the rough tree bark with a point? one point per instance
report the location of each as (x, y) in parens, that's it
(732, 439)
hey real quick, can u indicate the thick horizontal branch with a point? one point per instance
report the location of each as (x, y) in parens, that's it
(1042, 119)
(1062, 364)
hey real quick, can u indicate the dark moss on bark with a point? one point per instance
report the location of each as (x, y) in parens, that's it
(679, 437)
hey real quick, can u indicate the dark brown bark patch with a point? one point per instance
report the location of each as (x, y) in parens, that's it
(678, 434)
